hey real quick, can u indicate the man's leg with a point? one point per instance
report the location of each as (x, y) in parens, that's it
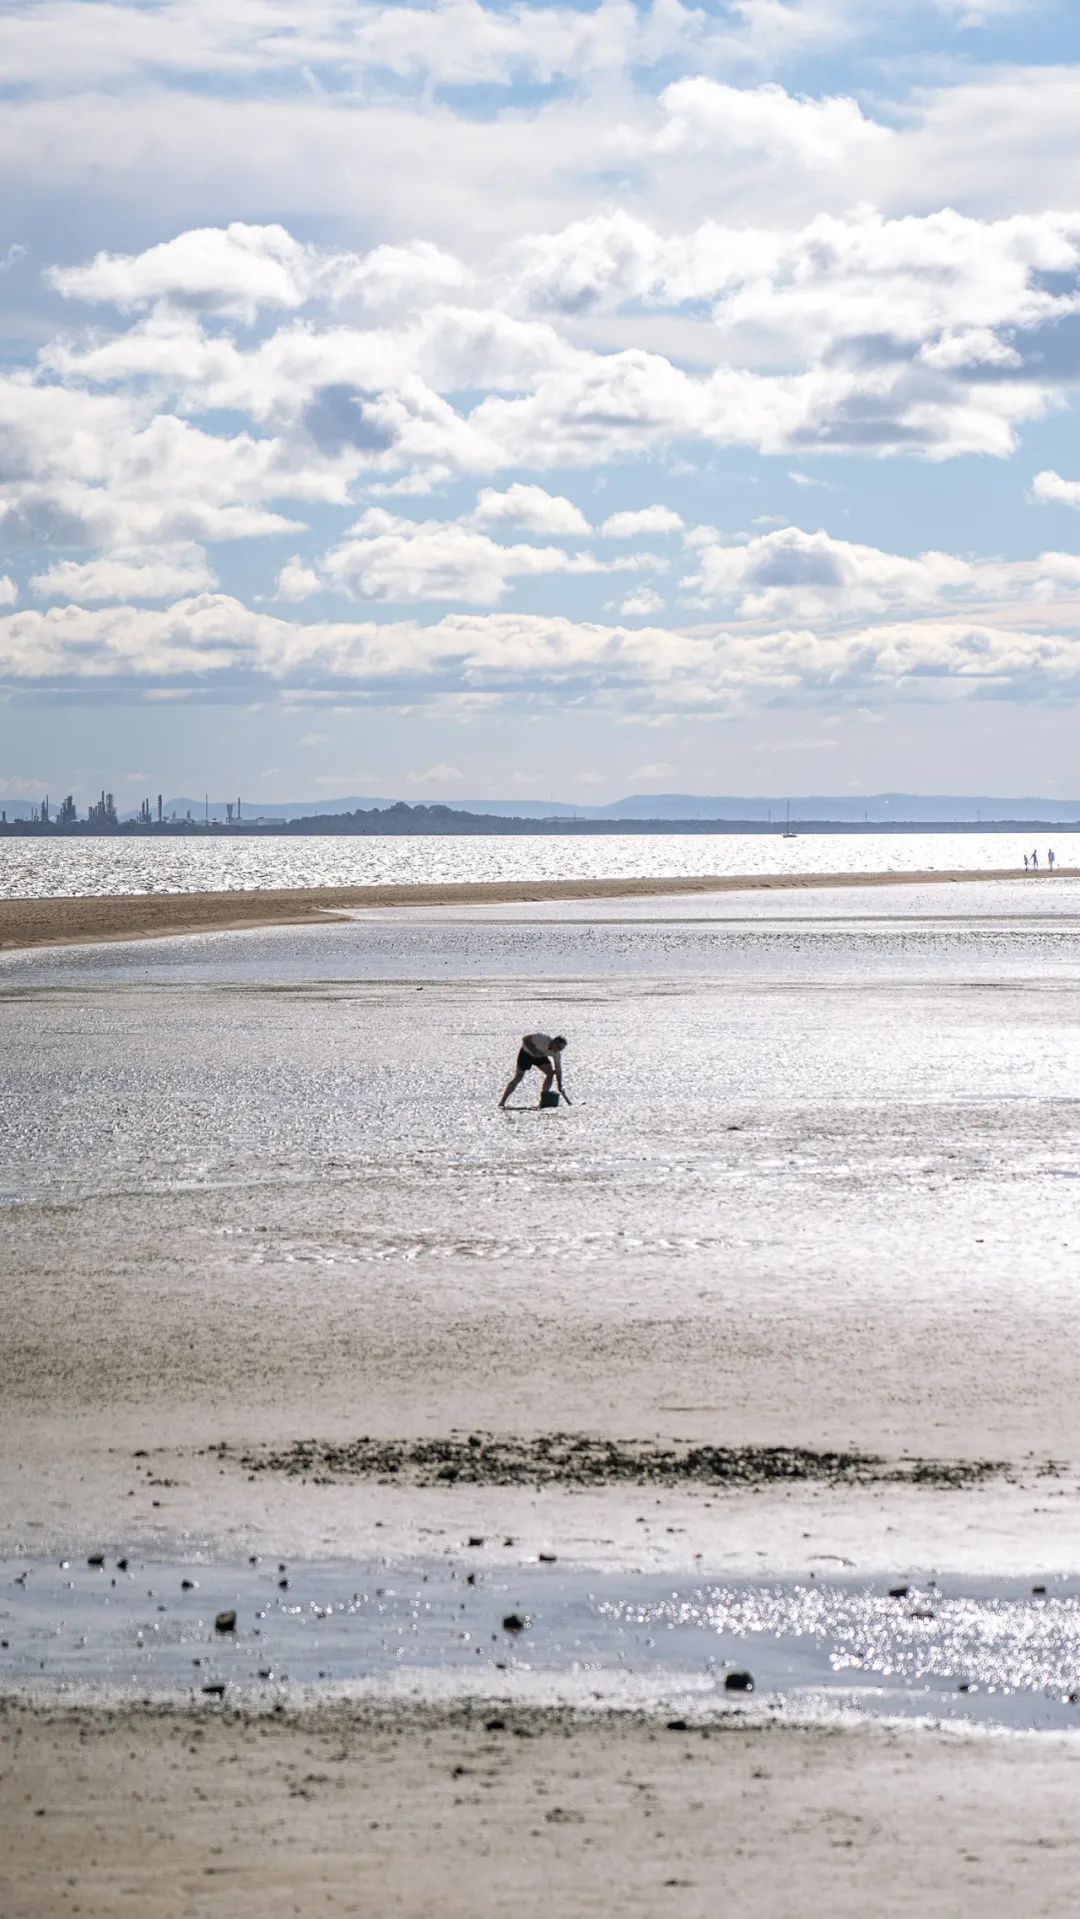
(514, 1083)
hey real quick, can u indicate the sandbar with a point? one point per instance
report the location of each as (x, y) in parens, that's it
(83, 920)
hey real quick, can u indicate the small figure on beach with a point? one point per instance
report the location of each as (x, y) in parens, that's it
(1050, 856)
(545, 1053)
(1025, 862)
(1035, 861)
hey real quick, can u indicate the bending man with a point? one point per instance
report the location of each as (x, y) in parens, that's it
(539, 1050)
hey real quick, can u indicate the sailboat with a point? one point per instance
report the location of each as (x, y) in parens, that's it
(789, 830)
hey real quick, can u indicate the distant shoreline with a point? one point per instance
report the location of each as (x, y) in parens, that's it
(444, 822)
(86, 920)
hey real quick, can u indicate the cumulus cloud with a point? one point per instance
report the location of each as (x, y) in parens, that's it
(529, 507)
(9, 591)
(122, 576)
(791, 574)
(440, 775)
(641, 520)
(933, 336)
(296, 581)
(702, 114)
(239, 270)
(387, 558)
(641, 260)
(1049, 487)
(794, 575)
(640, 602)
(716, 668)
(233, 270)
(955, 291)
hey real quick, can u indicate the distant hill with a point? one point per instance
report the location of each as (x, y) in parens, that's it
(882, 808)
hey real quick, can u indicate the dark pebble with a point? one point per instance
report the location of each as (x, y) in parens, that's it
(188, 1585)
(121, 1565)
(1039, 1592)
(546, 1559)
(899, 1592)
(494, 1725)
(513, 1622)
(476, 1539)
(225, 1621)
(677, 1725)
(216, 1691)
(96, 1559)
(738, 1682)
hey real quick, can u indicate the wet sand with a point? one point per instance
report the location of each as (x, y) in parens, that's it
(26, 923)
(155, 1813)
(269, 1216)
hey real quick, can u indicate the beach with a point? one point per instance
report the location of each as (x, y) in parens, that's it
(788, 1294)
(150, 1812)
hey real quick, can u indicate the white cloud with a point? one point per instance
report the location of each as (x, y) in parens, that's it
(123, 576)
(314, 739)
(653, 770)
(810, 480)
(529, 507)
(386, 558)
(296, 581)
(440, 775)
(654, 668)
(239, 270)
(233, 270)
(643, 520)
(791, 574)
(702, 114)
(952, 294)
(9, 591)
(1050, 488)
(640, 602)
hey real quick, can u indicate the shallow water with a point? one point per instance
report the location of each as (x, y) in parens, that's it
(32, 869)
(961, 1651)
(804, 1102)
(820, 1181)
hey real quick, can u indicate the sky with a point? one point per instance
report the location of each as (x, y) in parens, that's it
(449, 400)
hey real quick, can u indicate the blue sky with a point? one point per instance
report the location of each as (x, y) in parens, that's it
(442, 400)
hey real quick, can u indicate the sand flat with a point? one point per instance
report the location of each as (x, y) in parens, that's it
(828, 1198)
(349, 1809)
(26, 923)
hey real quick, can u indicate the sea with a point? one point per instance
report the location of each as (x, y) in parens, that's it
(64, 869)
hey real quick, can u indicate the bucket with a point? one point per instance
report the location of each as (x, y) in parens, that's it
(549, 1099)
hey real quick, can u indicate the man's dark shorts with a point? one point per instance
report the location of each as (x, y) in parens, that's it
(526, 1059)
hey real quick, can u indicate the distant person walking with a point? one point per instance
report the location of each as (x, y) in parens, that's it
(1035, 862)
(1050, 858)
(1025, 862)
(539, 1050)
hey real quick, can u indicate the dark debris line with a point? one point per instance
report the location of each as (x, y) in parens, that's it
(484, 1459)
